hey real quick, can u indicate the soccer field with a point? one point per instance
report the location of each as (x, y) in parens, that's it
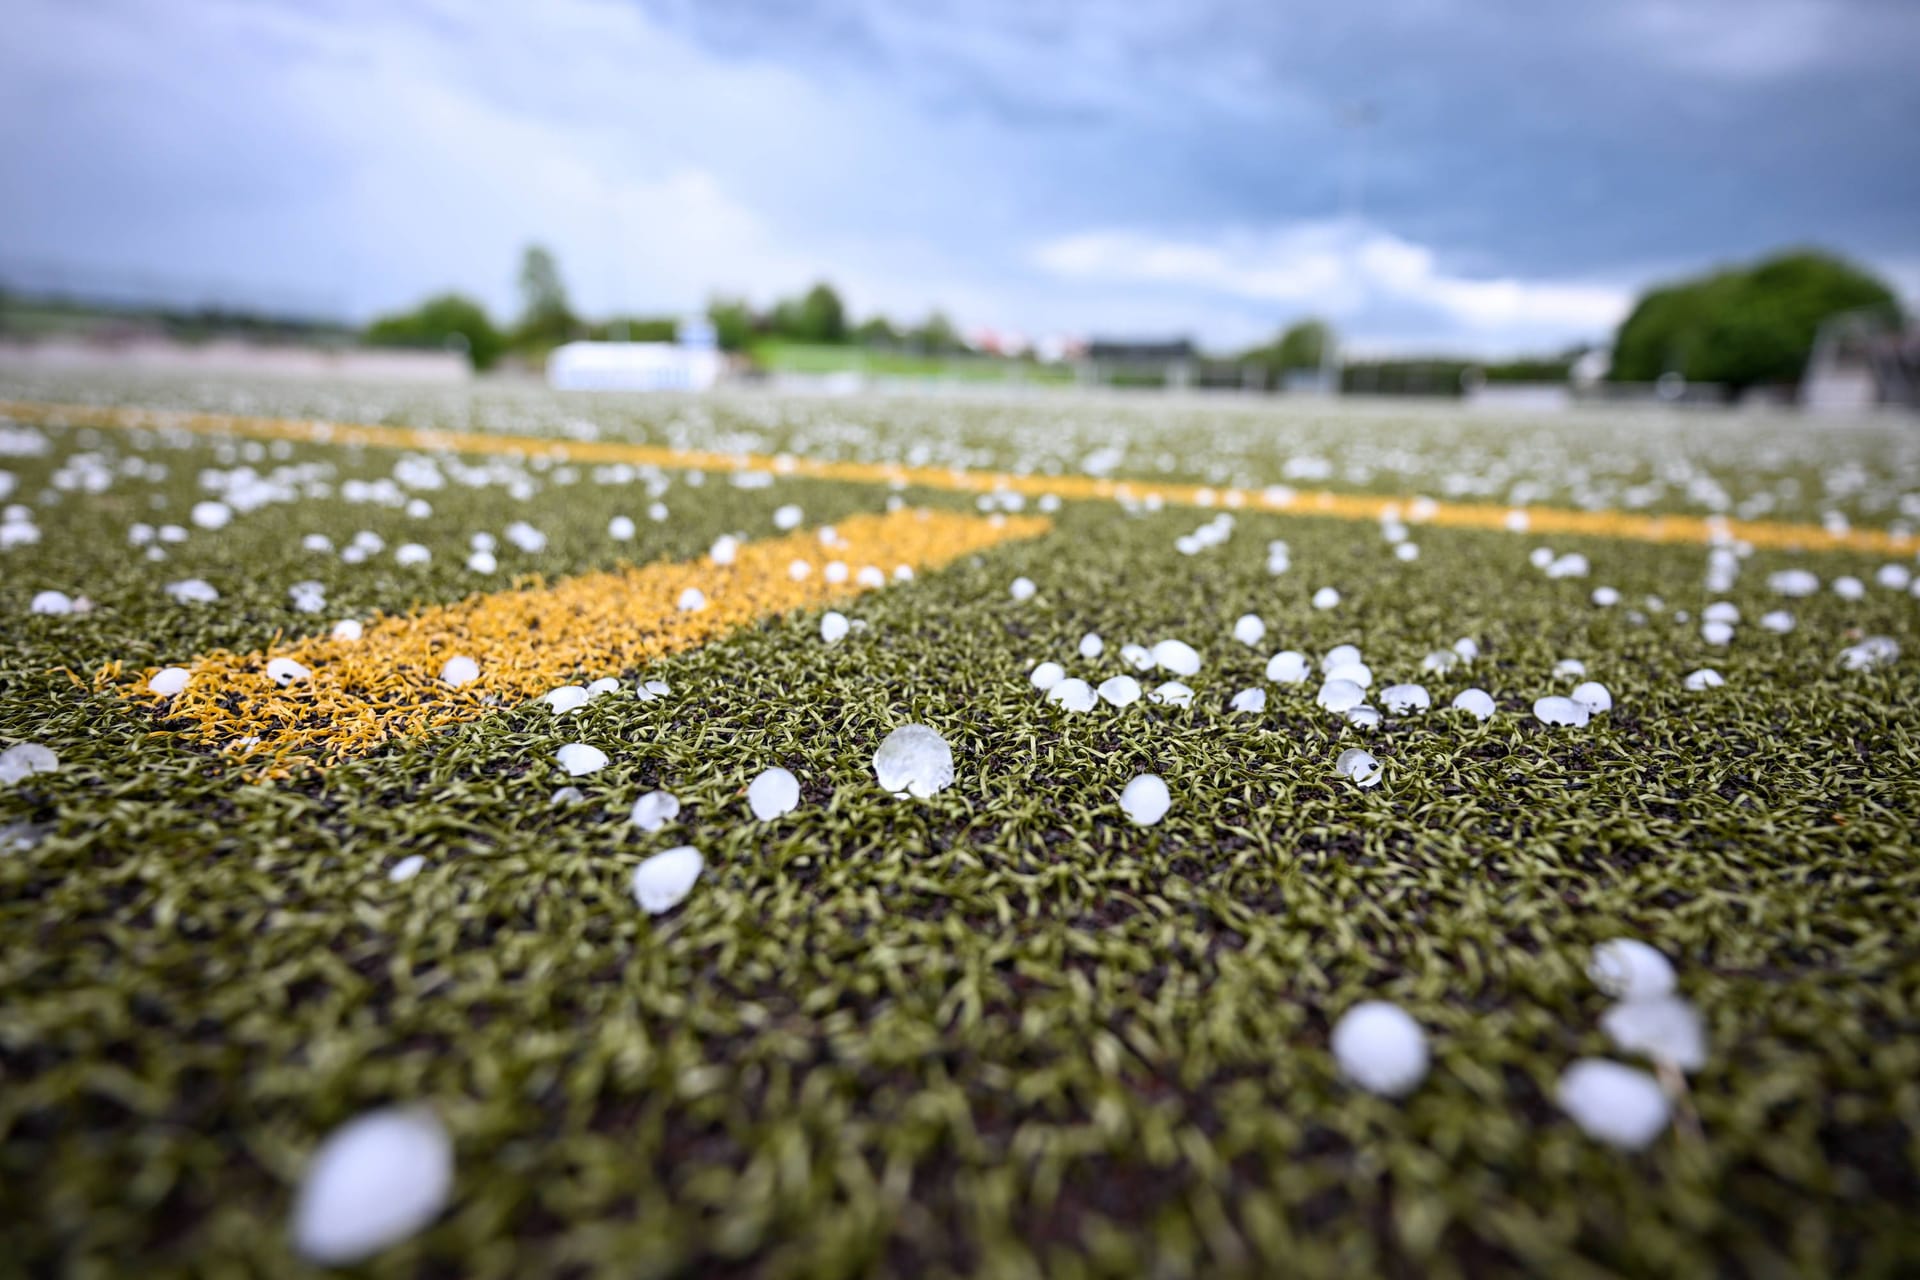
(1019, 1025)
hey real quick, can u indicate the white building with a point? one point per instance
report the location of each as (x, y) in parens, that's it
(694, 363)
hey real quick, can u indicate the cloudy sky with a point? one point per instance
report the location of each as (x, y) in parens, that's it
(1468, 175)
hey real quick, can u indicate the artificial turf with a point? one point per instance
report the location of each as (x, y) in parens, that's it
(1002, 1031)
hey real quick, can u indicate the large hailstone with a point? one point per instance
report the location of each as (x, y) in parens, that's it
(1359, 764)
(1145, 800)
(1177, 656)
(1618, 1105)
(655, 810)
(285, 671)
(1092, 646)
(1629, 969)
(1022, 589)
(1402, 699)
(1121, 691)
(1249, 629)
(1073, 694)
(663, 881)
(1564, 712)
(1249, 701)
(1289, 666)
(1172, 694)
(1704, 678)
(914, 761)
(1357, 672)
(460, 671)
(1477, 703)
(568, 697)
(1380, 1048)
(579, 759)
(834, 626)
(1047, 675)
(24, 759)
(1339, 656)
(1326, 598)
(1340, 695)
(1664, 1028)
(1594, 696)
(773, 793)
(374, 1181)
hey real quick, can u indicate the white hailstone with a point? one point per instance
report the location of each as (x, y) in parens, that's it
(1022, 589)
(1361, 766)
(836, 572)
(1605, 597)
(1569, 667)
(773, 793)
(1326, 598)
(1594, 696)
(788, 517)
(1619, 1105)
(172, 533)
(1145, 800)
(828, 535)
(407, 868)
(1289, 666)
(483, 542)
(1403, 698)
(1874, 651)
(1363, 716)
(903, 573)
(579, 759)
(655, 810)
(1540, 557)
(1894, 577)
(565, 795)
(1381, 1048)
(692, 600)
(1704, 678)
(1176, 656)
(348, 629)
(211, 515)
(308, 597)
(376, 1180)
(169, 681)
(1440, 661)
(1571, 565)
(1172, 694)
(1251, 701)
(412, 553)
(24, 759)
(317, 543)
(1047, 675)
(1849, 588)
(725, 548)
(914, 760)
(1339, 656)
(1137, 656)
(568, 697)
(192, 591)
(1793, 582)
(460, 671)
(1407, 551)
(1467, 647)
(51, 603)
(1073, 694)
(1629, 969)
(140, 534)
(1249, 629)
(1721, 611)
(1716, 633)
(621, 529)
(606, 684)
(1665, 1028)
(1356, 672)
(1340, 695)
(657, 512)
(1561, 711)
(870, 576)
(834, 626)
(1092, 646)
(648, 690)
(663, 881)
(1121, 691)
(353, 555)
(285, 671)
(1477, 703)
(482, 562)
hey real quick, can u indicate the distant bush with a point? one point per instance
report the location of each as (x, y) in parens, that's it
(1742, 327)
(449, 320)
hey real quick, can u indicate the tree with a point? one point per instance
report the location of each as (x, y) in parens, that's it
(1742, 327)
(816, 316)
(937, 336)
(448, 320)
(1304, 344)
(546, 319)
(733, 323)
(877, 331)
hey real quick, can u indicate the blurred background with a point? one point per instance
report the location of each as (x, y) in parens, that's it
(1698, 201)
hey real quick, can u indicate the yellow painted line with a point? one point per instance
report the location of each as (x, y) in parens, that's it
(387, 684)
(1348, 506)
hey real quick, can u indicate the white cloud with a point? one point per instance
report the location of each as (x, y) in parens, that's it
(1342, 270)
(1740, 40)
